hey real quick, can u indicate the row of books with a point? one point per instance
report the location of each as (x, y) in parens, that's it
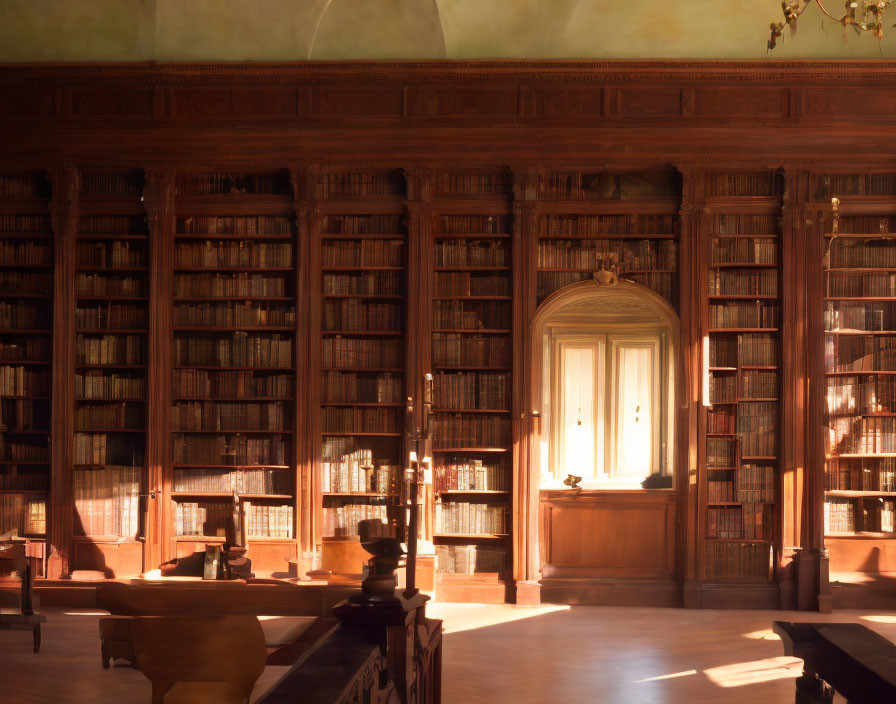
(106, 285)
(107, 448)
(842, 315)
(839, 516)
(360, 475)
(744, 185)
(243, 253)
(469, 518)
(239, 349)
(24, 414)
(120, 185)
(606, 225)
(611, 186)
(220, 415)
(473, 184)
(23, 186)
(214, 184)
(110, 317)
(266, 521)
(33, 349)
(631, 254)
(744, 315)
(23, 315)
(113, 254)
(112, 225)
(758, 384)
(235, 225)
(468, 430)
(475, 350)
(232, 449)
(23, 478)
(841, 283)
(96, 384)
(23, 381)
(209, 519)
(748, 522)
(744, 250)
(472, 224)
(263, 480)
(110, 415)
(861, 474)
(876, 224)
(662, 283)
(757, 349)
(722, 388)
(720, 422)
(470, 315)
(33, 449)
(753, 484)
(470, 559)
(846, 516)
(25, 223)
(720, 452)
(744, 224)
(347, 451)
(466, 474)
(462, 283)
(865, 435)
(362, 184)
(107, 501)
(362, 252)
(19, 282)
(204, 383)
(742, 282)
(232, 314)
(470, 390)
(847, 353)
(348, 387)
(342, 521)
(110, 349)
(361, 225)
(230, 284)
(854, 253)
(378, 283)
(472, 253)
(732, 560)
(360, 353)
(340, 419)
(352, 314)
(18, 252)
(22, 515)
(858, 185)
(757, 428)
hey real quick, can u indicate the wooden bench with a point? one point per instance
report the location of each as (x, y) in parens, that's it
(848, 657)
(17, 572)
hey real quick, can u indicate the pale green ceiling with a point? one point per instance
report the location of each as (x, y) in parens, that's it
(285, 30)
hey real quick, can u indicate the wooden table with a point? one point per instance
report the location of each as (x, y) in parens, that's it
(17, 621)
(848, 657)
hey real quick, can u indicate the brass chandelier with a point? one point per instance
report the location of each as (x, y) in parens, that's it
(861, 15)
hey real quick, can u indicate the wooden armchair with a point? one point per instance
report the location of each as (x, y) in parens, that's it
(199, 659)
(17, 572)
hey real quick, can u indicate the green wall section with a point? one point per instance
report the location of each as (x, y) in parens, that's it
(284, 30)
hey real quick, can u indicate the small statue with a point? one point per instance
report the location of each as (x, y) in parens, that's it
(379, 586)
(572, 481)
(607, 268)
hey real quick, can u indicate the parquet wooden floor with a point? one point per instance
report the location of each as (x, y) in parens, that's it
(523, 655)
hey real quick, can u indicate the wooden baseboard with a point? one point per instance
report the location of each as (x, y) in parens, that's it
(611, 592)
(863, 590)
(474, 591)
(698, 595)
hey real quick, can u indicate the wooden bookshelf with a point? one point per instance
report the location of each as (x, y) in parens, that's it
(859, 319)
(234, 359)
(742, 418)
(26, 314)
(363, 287)
(112, 254)
(472, 340)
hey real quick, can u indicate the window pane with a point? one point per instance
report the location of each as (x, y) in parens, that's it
(634, 440)
(579, 439)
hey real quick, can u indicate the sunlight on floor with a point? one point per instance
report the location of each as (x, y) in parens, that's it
(668, 677)
(466, 617)
(879, 618)
(85, 613)
(755, 672)
(765, 634)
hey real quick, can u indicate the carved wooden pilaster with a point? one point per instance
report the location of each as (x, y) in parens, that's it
(158, 199)
(65, 182)
(525, 478)
(690, 423)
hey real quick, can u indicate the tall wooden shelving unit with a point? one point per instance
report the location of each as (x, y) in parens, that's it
(360, 420)
(26, 315)
(742, 411)
(859, 352)
(234, 356)
(111, 362)
(472, 339)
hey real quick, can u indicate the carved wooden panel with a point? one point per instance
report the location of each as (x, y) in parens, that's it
(653, 101)
(102, 102)
(847, 101)
(112, 559)
(386, 101)
(498, 101)
(560, 102)
(31, 102)
(608, 534)
(735, 102)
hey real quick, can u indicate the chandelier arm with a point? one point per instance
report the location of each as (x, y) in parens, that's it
(824, 10)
